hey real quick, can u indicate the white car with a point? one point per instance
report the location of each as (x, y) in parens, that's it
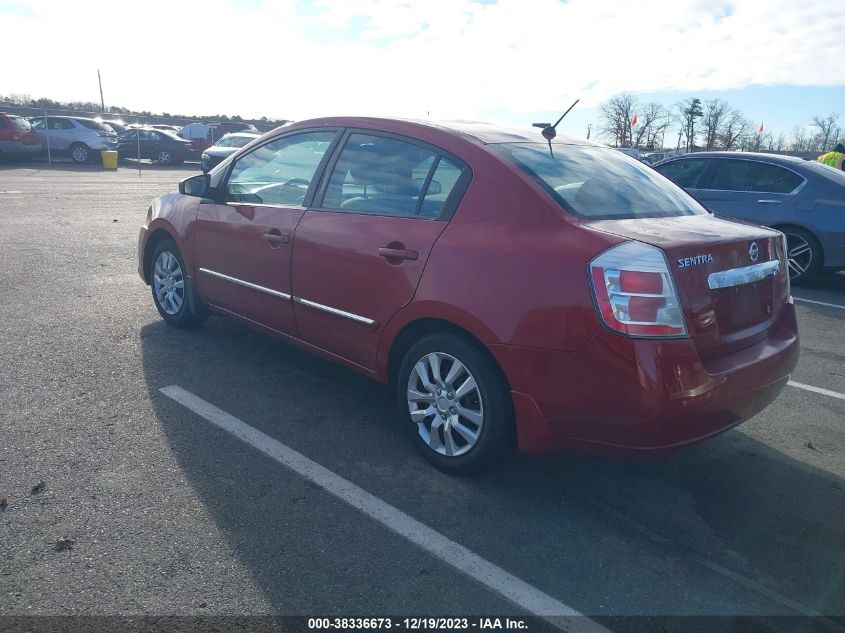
(81, 138)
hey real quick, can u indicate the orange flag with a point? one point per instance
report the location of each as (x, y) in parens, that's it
(634, 120)
(761, 128)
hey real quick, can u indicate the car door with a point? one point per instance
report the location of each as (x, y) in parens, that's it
(749, 189)
(358, 255)
(127, 144)
(242, 243)
(62, 132)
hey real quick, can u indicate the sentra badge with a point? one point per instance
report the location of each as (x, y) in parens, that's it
(686, 262)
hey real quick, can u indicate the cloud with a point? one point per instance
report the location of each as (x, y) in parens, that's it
(453, 58)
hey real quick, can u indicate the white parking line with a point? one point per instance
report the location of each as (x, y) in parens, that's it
(824, 392)
(820, 303)
(491, 576)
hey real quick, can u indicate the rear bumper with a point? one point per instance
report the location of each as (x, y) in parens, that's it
(626, 396)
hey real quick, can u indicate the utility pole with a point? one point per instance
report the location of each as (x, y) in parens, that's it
(589, 127)
(100, 81)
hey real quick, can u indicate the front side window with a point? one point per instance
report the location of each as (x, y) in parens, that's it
(599, 183)
(383, 175)
(278, 172)
(684, 172)
(750, 175)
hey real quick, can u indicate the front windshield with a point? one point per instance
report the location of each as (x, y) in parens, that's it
(234, 141)
(599, 183)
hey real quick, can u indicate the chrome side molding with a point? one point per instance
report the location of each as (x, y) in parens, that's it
(331, 310)
(246, 284)
(287, 297)
(740, 276)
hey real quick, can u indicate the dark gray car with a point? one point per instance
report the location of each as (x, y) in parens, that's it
(803, 199)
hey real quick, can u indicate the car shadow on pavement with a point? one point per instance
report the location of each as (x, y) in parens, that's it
(578, 527)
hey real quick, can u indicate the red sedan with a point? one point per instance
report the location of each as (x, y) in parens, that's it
(514, 292)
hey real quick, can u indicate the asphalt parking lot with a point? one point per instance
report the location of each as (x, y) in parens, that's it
(148, 509)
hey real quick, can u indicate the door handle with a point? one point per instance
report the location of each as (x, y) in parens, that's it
(398, 253)
(769, 202)
(275, 238)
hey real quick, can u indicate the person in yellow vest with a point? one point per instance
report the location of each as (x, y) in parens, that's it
(836, 158)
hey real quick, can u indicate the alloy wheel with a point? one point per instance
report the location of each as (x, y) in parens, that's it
(445, 404)
(169, 283)
(164, 158)
(799, 255)
(80, 154)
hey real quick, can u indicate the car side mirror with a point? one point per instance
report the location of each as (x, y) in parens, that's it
(197, 186)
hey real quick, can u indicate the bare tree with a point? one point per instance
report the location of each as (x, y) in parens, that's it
(651, 119)
(734, 129)
(689, 111)
(616, 114)
(713, 120)
(828, 130)
(800, 143)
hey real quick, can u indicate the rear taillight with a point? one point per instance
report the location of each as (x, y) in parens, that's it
(634, 291)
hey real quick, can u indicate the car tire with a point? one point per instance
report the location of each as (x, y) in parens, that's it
(80, 153)
(804, 254)
(172, 289)
(165, 158)
(458, 433)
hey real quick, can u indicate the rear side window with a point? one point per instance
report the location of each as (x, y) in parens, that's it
(748, 175)
(684, 172)
(279, 172)
(599, 183)
(442, 183)
(388, 176)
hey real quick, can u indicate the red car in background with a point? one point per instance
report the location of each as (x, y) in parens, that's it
(514, 292)
(16, 137)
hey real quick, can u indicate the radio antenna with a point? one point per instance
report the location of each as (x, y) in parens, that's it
(550, 131)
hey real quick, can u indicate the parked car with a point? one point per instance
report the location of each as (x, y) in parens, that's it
(205, 135)
(117, 126)
(83, 139)
(800, 198)
(166, 128)
(159, 145)
(16, 137)
(225, 147)
(511, 296)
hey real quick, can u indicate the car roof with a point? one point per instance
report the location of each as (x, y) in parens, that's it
(774, 158)
(479, 131)
(247, 134)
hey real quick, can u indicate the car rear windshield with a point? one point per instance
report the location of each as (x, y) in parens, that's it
(94, 125)
(234, 141)
(598, 183)
(20, 123)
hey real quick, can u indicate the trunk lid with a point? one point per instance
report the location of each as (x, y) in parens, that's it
(724, 312)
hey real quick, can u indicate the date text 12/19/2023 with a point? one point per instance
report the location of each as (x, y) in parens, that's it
(417, 623)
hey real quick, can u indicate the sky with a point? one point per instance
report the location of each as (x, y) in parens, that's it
(510, 61)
